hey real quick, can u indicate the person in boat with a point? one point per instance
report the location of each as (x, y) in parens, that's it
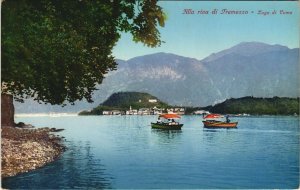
(173, 122)
(159, 120)
(227, 119)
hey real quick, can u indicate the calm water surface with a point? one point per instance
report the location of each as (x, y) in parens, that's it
(124, 152)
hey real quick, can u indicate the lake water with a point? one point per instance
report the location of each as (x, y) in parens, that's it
(124, 152)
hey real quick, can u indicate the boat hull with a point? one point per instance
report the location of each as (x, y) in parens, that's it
(209, 124)
(166, 126)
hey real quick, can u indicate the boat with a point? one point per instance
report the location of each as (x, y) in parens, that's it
(219, 124)
(168, 122)
(212, 121)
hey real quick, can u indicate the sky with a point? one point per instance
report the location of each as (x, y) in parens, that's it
(199, 35)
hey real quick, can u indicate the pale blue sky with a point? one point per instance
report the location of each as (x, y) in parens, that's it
(198, 36)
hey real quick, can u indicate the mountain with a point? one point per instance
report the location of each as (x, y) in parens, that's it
(247, 69)
(167, 76)
(274, 72)
(247, 49)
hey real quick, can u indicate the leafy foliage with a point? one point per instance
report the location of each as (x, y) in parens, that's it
(257, 106)
(136, 100)
(124, 100)
(57, 51)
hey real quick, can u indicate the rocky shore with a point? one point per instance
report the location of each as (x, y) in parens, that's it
(25, 149)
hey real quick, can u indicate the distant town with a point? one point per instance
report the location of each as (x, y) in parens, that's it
(151, 111)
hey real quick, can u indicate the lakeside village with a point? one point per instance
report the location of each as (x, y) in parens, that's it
(159, 111)
(137, 103)
(151, 111)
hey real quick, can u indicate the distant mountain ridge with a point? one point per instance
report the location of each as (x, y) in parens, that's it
(247, 69)
(247, 49)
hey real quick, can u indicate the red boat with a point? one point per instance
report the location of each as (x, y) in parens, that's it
(219, 124)
(211, 122)
(168, 123)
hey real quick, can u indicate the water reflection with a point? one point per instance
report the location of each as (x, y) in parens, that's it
(223, 136)
(167, 136)
(77, 168)
(263, 153)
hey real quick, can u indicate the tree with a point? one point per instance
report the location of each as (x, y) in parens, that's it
(57, 51)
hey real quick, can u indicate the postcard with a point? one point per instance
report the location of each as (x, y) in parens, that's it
(150, 94)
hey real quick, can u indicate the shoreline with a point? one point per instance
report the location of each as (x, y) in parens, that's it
(26, 149)
(62, 114)
(56, 114)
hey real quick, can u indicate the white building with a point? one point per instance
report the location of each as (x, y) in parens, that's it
(116, 112)
(144, 111)
(152, 100)
(132, 112)
(200, 112)
(107, 113)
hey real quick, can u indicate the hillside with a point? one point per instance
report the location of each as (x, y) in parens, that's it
(246, 69)
(124, 100)
(136, 100)
(257, 106)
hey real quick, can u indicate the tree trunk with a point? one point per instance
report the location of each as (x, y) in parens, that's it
(7, 110)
